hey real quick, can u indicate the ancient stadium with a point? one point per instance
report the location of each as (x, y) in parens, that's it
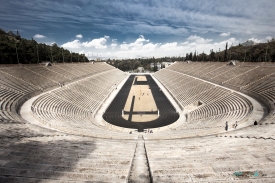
(91, 122)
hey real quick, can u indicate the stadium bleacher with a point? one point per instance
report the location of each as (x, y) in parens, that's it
(66, 144)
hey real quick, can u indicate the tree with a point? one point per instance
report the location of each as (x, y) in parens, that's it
(187, 56)
(195, 56)
(18, 37)
(225, 53)
(29, 50)
(212, 55)
(191, 56)
(155, 66)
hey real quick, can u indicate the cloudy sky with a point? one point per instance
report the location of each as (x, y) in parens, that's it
(140, 28)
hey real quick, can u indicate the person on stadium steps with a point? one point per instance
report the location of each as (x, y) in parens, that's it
(255, 123)
(226, 125)
(236, 124)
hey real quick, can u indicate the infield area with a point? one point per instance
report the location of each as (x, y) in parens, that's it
(140, 104)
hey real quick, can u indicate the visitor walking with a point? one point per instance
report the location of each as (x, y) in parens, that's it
(236, 124)
(226, 126)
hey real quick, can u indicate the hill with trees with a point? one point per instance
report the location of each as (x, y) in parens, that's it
(14, 50)
(262, 52)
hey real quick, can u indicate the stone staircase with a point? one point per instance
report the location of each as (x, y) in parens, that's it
(140, 171)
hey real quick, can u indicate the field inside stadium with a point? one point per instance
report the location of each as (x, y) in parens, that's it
(140, 104)
(143, 102)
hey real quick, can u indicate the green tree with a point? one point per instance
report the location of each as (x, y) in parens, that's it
(225, 53)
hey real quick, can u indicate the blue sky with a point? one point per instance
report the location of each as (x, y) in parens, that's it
(140, 28)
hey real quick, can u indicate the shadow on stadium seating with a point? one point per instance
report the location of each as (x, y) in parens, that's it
(40, 159)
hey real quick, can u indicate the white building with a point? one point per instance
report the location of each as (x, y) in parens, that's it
(140, 69)
(167, 64)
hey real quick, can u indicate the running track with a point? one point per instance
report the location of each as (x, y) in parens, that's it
(167, 116)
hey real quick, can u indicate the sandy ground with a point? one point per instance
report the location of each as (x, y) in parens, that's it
(144, 101)
(141, 78)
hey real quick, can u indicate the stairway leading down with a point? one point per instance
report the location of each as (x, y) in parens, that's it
(140, 171)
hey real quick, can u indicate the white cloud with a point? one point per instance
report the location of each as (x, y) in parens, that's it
(142, 47)
(169, 46)
(39, 36)
(185, 43)
(73, 44)
(50, 43)
(113, 45)
(268, 38)
(198, 39)
(138, 44)
(150, 46)
(256, 40)
(264, 40)
(99, 43)
(225, 34)
(106, 37)
(79, 36)
(149, 49)
(124, 46)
